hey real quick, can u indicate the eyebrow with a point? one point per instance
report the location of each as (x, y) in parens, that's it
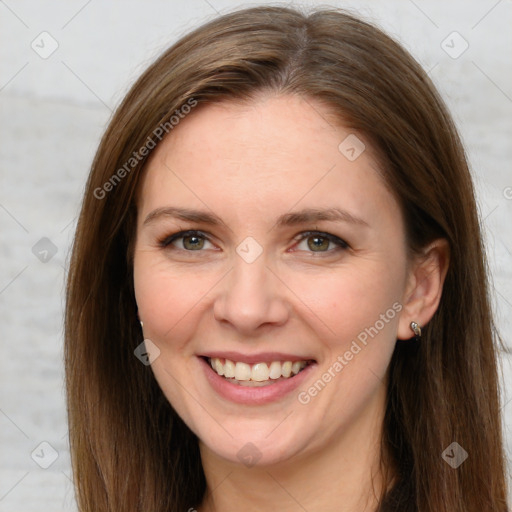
(304, 216)
(183, 214)
(315, 215)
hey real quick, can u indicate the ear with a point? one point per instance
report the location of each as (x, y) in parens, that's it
(424, 287)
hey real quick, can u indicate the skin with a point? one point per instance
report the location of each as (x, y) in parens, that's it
(249, 164)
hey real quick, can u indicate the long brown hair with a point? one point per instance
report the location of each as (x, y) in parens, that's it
(130, 451)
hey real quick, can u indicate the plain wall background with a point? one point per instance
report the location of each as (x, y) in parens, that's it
(54, 111)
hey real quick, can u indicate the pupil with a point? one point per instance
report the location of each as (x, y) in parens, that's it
(317, 243)
(193, 242)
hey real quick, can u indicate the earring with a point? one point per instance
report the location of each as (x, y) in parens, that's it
(141, 324)
(417, 330)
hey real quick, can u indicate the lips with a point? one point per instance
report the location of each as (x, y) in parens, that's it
(255, 379)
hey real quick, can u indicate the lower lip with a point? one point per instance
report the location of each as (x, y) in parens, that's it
(253, 395)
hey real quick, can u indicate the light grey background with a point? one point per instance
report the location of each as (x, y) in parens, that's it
(53, 112)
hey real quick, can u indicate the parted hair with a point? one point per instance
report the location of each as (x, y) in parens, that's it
(130, 451)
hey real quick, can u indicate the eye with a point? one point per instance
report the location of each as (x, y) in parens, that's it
(315, 241)
(187, 241)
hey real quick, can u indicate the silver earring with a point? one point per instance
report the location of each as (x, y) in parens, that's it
(417, 330)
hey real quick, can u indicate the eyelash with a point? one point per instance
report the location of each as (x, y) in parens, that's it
(341, 244)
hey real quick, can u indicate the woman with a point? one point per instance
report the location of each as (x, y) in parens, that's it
(282, 209)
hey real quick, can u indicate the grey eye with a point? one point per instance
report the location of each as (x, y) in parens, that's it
(320, 242)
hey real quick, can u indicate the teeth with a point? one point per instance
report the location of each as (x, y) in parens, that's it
(218, 367)
(287, 369)
(229, 369)
(275, 370)
(242, 371)
(296, 367)
(259, 372)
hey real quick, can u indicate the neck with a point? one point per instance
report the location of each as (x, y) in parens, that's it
(343, 476)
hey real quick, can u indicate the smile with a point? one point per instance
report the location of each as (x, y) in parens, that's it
(258, 374)
(255, 379)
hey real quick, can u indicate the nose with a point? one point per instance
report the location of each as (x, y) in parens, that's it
(251, 297)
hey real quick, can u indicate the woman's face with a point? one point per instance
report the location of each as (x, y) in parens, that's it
(291, 258)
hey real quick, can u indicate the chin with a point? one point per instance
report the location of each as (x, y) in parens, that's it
(256, 448)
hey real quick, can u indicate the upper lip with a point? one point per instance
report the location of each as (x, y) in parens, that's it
(260, 357)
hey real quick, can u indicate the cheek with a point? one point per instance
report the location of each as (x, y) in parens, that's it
(358, 311)
(168, 299)
(169, 302)
(351, 300)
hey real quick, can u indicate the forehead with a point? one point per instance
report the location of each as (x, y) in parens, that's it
(263, 157)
